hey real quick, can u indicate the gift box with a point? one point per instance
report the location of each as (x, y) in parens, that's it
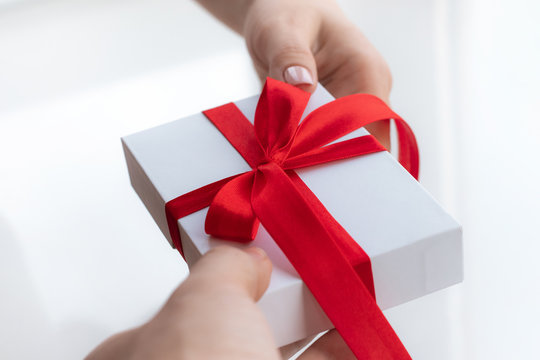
(414, 245)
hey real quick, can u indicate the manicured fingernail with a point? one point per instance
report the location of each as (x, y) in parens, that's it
(298, 75)
(257, 253)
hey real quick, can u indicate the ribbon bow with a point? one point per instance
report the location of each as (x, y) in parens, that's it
(332, 265)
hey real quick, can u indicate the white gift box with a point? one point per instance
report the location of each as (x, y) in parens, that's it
(414, 245)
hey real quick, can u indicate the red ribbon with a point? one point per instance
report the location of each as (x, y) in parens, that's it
(332, 265)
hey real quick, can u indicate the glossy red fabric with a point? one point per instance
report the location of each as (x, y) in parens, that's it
(330, 262)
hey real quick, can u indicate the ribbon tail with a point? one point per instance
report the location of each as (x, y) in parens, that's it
(356, 256)
(230, 215)
(301, 235)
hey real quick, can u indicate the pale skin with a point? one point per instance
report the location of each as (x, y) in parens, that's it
(213, 314)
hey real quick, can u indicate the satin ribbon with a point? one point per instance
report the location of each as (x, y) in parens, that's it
(332, 265)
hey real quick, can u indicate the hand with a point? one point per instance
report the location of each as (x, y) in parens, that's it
(305, 41)
(213, 315)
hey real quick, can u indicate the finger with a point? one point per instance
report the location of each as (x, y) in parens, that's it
(350, 64)
(285, 48)
(290, 60)
(216, 305)
(329, 346)
(218, 295)
(247, 271)
(365, 74)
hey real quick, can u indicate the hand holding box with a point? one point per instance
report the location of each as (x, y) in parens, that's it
(318, 246)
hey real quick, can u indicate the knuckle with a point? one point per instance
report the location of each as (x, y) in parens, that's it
(290, 52)
(277, 39)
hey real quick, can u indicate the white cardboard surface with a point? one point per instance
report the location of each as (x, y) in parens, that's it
(414, 245)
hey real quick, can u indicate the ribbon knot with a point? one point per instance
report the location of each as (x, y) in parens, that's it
(276, 159)
(266, 164)
(330, 262)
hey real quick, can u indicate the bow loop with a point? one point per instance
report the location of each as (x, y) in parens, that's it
(230, 215)
(348, 114)
(277, 116)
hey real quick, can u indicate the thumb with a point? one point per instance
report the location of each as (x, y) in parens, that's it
(225, 267)
(290, 59)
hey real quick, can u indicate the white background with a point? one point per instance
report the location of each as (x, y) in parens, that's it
(80, 258)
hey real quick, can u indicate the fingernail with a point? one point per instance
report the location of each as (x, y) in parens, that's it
(298, 75)
(257, 253)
